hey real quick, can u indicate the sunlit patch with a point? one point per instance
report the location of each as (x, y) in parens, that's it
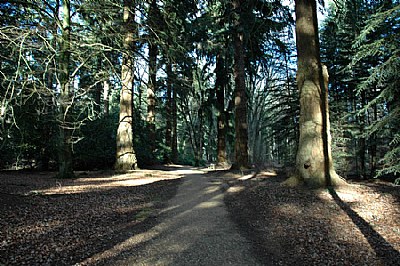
(80, 185)
(209, 204)
(246, 177)
(348, 196)
(212, 189)
(267, 173)
(122, 246)
(235, 189)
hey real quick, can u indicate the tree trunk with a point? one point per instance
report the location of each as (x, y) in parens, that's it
(168, 129)
(151, 99)
(174, 127)
(373, 143)
(98, 88)
(220, 84)
(106, 97)
(313, 161)
(241, 150)
(126, 157)
(65, 163)
(151, 88)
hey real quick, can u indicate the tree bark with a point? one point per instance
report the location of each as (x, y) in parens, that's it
(125, 156)
(314, 160)
(220, 84)
(174, 127)
(106, 97)
(151, 88)
(65, 161)
(168, 129)
(98, 88)
(241, 149)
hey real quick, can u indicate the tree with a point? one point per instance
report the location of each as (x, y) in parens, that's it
(153, 23)
(220, 87)
(240, 96)
(126, 157)
(65, 169)
(383, 79)
(357, 46)
(313, 160)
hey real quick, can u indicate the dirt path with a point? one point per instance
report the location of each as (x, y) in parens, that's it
(194, 230)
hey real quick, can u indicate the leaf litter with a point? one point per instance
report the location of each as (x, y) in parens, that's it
(358, 224)
(48, 221)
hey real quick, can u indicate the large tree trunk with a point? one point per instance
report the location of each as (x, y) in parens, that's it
(314, 161)
(151, 99)
(241, 150)
(151, 88)
(126, 157)
(65, 163)
(220, 84)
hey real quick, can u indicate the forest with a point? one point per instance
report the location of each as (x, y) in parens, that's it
(219, 132)
(103, 84)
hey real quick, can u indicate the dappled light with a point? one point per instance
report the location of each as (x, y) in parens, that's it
(357, 224)
(72, 222)
(168, 132)
(83, 185)
(193, 231)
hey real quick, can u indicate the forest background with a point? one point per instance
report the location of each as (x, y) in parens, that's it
(69, 69)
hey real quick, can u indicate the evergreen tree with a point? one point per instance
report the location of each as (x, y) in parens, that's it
(357, 148)
(379, 41)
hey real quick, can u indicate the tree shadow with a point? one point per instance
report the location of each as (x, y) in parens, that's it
(383, 249)
(299, 226)
(71, 228)
(173, 229)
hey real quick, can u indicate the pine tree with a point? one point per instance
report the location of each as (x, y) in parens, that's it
(383, 78)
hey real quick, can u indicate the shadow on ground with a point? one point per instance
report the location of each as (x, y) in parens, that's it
(296, 226)
(64, 229)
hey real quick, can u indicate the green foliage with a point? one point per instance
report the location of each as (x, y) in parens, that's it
(379, 40)
(96, 147)
(360, 47)
(188, 34)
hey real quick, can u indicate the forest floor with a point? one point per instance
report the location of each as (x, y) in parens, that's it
(358, 224)
(102, 219)
(49, 221)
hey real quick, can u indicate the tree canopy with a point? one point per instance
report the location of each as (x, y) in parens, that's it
(209, 82)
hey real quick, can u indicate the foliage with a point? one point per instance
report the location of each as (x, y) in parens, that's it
(96, 147)
(360, 46)
(384, 78)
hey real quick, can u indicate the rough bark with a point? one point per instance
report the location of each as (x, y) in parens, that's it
(241, 149)
(65, 162)
(125, 156)
(220, 84)
(151, 88)
(313, 161)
